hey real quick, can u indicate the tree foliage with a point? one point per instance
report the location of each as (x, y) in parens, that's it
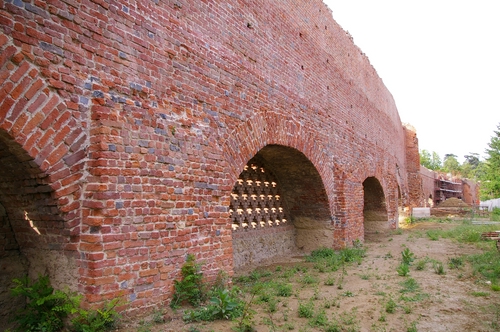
(472, 167)
(430, 161)
(490, 186)
(451, 164)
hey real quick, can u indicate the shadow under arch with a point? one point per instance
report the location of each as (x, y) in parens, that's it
(374, 208)
(304, 200)
(32, 231)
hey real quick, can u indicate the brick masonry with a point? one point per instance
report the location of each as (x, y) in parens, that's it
(124, 126)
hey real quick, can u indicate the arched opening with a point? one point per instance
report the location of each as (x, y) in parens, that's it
(278, 207)
(32, 232)
(374, 208)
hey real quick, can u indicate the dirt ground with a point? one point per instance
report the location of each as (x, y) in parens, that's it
(359, 297)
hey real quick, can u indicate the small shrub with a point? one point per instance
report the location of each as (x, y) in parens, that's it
(284, 290)
(390, 306)
(306, 310)
(408, 256)
(330, 281)
(421, 263)
(46, 308)
(403, 270)
(99, 320)
(319, 320)
(348, 294)
(334, 327)
(309, 279)
(190, 287)
(224, 304)
(410, 285)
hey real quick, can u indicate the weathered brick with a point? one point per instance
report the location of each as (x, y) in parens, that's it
(129, 138)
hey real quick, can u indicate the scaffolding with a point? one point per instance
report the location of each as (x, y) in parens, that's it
(445, 189)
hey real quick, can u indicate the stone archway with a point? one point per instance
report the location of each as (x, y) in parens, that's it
(374, 208)
(278, 206)
(33, 233)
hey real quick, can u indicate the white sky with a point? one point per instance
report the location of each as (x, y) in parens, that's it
(440, 60)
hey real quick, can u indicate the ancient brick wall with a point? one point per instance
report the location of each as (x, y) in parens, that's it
(415, 186)
(126, 124)
(470, 192)
(428, 186)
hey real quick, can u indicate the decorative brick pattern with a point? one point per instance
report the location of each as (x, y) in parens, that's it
(255, 200)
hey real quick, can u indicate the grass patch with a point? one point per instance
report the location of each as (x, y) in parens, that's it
(486, 264)
(495, 214)
(306, 310)
(421, 263)
(410, 285)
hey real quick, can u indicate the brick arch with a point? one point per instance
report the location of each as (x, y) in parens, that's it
(36, 239)
(381, 200)
(38, 116)
(291, 153)
(43, 152)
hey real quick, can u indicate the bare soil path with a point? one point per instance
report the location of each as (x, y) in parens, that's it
(372, 296)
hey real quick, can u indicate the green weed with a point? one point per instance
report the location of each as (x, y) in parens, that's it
(410, 285)
(439, 267)
(412, 327)
(306, 310)
(455, 262)
(433, 235)
(330, 281)
(47, 309)
(390, 306)
(421, 263)
(319, 319)
(403, 270)
(189, 288)
(407, 256)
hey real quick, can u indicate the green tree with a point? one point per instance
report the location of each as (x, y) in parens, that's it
(490, 185)
(430, 161)
(472, 167)
(451, 164)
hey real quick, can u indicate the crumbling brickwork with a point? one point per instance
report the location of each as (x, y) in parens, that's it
(124, 126)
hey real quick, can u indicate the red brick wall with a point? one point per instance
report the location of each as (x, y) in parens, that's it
(428, 186)
(415, 189)
(471, 192)
(137, 118)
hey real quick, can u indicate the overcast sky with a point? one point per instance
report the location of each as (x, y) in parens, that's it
(440, 60)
